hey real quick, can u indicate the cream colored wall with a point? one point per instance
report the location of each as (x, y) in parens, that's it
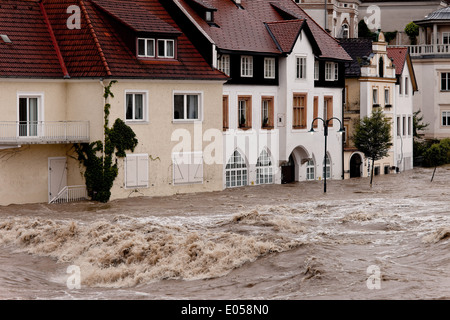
(155, 135)
(24, 170)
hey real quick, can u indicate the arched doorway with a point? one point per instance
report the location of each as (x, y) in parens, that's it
(288, 171)
(291, 169)
(355, 166)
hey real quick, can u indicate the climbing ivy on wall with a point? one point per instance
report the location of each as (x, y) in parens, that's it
(98, 157)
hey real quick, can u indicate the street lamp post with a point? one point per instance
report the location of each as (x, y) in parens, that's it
(325, 133)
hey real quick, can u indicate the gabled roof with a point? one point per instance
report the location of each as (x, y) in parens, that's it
(358, 49)
(401, 57)
(44, 47)
(245, 29)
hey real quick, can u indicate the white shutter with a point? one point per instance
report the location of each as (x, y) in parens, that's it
(196, 168)
(180, 168)
(142, 171)
(130, 171)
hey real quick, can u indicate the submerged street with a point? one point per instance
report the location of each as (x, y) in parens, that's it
(288, 241)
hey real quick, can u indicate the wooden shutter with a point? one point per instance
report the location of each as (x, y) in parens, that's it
(329, 110)
(316, 111)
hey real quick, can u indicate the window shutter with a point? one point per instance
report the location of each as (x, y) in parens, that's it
(131, 171)
(142, 171)
(196, 168)
(330, 111)
(180, 169)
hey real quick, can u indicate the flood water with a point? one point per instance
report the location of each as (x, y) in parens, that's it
(391, 241)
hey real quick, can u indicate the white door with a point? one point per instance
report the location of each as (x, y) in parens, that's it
(57, 176)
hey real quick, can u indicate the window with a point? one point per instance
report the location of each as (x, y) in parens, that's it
(146, 47)
(445, 37)
(404, 125)
(301, 68)
(267, 113)
(327, 167)
(236, 171)
(446, 118)
(328, 110)
(166, 48)
(316, 111)
(223, 64)
(246, 66)
(381, 67)
(264, 174)
(187, 167)
(345, 30)
(409, 125)
(245, 112)
(331, 71)
(135, 106)
(399, 128)
(29, 117)
(209, 16)
(269, 68)
(226, 125)
(316, 70)
(136, 171)
(375, 97)
(400, 86)
(406, 86)
(186, 106)
(387, 100)
(445, 81)
(310, 170)
(299, 111)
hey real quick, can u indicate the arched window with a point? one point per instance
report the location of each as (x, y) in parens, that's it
(381, 67)
(345, 31)
(236, 171)
(264, 171)
(310, 170)
(327, 168)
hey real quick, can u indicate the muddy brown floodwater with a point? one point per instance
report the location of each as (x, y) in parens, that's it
(292, 241)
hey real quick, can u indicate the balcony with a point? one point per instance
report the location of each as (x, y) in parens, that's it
(427, 50)
(43, 132)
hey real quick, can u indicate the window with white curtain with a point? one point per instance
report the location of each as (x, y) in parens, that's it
(187, 106)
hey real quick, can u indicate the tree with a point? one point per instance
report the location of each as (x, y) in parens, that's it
(97, 157)
(412, 30)
(373, 137)
(364, 31)
(418, 124)
(437, 155)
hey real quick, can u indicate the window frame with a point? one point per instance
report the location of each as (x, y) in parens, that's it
(300, 67)
(446, 81)
(144, 106)
(226, 112)
(145, 48)
(223, 63)
(165, 41)
(316, 70)
(269, 68)
(445, 115)
(240, 167)
(248, 112)
(270, 112)
(185, 110)
(302, 111)
(264, 168)
(331, 71)
(39, 96)
(246, 66)
(310, 170)
(328, 107)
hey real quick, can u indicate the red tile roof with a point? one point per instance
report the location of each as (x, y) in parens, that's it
(399, 56)
(285, 33)
(244, 29)
(31, 52)
(100, 48)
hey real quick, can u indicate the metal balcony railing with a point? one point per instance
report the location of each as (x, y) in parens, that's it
(44, 132)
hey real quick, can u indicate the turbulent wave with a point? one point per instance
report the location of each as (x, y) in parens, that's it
(128, 251)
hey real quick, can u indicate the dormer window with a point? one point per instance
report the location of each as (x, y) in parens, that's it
(155, 48)
(146, 48)
(209, 17)
(166, 48)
